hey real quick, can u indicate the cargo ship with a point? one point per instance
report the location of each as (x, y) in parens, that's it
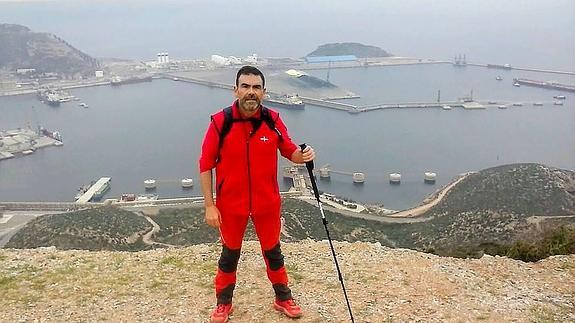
(116, 80)
(285, 101)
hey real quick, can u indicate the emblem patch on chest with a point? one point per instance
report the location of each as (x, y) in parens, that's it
(264, 139)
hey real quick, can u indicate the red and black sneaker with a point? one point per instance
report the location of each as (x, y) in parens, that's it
(288, 307)
(221, 313)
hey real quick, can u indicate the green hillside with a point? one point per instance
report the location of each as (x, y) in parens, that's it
(106, 228)
(357, 49)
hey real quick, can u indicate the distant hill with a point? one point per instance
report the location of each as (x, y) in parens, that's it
(357, 49)
(22, 48)
(499, 205)
(106, 228)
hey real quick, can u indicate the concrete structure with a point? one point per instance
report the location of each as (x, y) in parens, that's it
(395, 178)
(150, 184)
(220, 60)
(187, 182)
(163, 58)
(99, 74)
(327, 59)
(98, 186)
(252, 59)
(429, 177)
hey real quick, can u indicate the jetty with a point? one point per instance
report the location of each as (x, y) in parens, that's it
(545, 84)
(95, 190)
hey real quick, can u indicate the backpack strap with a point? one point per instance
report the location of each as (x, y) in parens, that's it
(224, 128)
(270, 121)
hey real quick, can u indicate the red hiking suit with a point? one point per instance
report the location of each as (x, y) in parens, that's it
(246, 187)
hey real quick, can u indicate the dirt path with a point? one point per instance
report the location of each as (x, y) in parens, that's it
(147, 238)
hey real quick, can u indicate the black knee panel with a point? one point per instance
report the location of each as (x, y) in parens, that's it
(275, 257)
(229, 258)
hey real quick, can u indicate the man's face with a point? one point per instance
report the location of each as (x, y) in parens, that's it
(250, 93)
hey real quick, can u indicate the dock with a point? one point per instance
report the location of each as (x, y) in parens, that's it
(99, 185)
(194, 80)
(546, 84)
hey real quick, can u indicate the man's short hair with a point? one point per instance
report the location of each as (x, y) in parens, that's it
(250, 70)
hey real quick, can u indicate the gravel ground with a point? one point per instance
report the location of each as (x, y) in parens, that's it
(383, 284)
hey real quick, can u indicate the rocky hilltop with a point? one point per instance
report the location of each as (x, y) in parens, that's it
(499, 205)
(383, 284)
(46, 53)
(357, 49)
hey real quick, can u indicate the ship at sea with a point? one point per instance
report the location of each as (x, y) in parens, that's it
(116, 80)
(54, 97)
(284, 101)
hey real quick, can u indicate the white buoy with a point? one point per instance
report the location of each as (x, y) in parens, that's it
(150, 184)
(187, 182)
(395, 178)
(324, 173)
(358, 178)
(429, 177)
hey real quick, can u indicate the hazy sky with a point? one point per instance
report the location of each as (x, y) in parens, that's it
(526, 32)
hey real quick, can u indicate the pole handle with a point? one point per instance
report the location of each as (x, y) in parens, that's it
(309, 164)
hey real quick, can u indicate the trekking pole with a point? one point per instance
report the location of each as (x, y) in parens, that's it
(309, 166)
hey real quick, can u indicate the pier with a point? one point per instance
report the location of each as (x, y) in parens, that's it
(91, 192)
(546, 85)
(530, 69)
(194, 80)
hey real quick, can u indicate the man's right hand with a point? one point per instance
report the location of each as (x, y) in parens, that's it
(213, 216)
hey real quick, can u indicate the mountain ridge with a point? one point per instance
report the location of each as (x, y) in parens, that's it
(45, 52)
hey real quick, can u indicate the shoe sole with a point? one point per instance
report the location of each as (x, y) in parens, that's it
(227, 318)
(288, 314)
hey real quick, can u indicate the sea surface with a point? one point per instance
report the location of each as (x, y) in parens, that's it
(154, 130)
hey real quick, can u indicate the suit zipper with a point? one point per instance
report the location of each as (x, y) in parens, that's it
(249, 173)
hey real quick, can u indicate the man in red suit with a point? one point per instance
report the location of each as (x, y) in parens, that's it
(241, 143)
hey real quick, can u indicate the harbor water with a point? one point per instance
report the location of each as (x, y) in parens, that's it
(154, 130)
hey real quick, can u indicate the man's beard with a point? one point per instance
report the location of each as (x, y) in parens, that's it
(250, 104)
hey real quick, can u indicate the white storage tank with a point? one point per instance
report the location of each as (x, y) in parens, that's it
(395, 178)
(358, 178)
(187, 182)
(150, 184)
(429, 177)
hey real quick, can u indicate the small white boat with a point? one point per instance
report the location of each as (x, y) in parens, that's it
(446, 107)
(559, 97)
(558, 102)
(83, 105)
(537, 104)
(517, 104)
(516, 84)
(503, 106)
(499, 78)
